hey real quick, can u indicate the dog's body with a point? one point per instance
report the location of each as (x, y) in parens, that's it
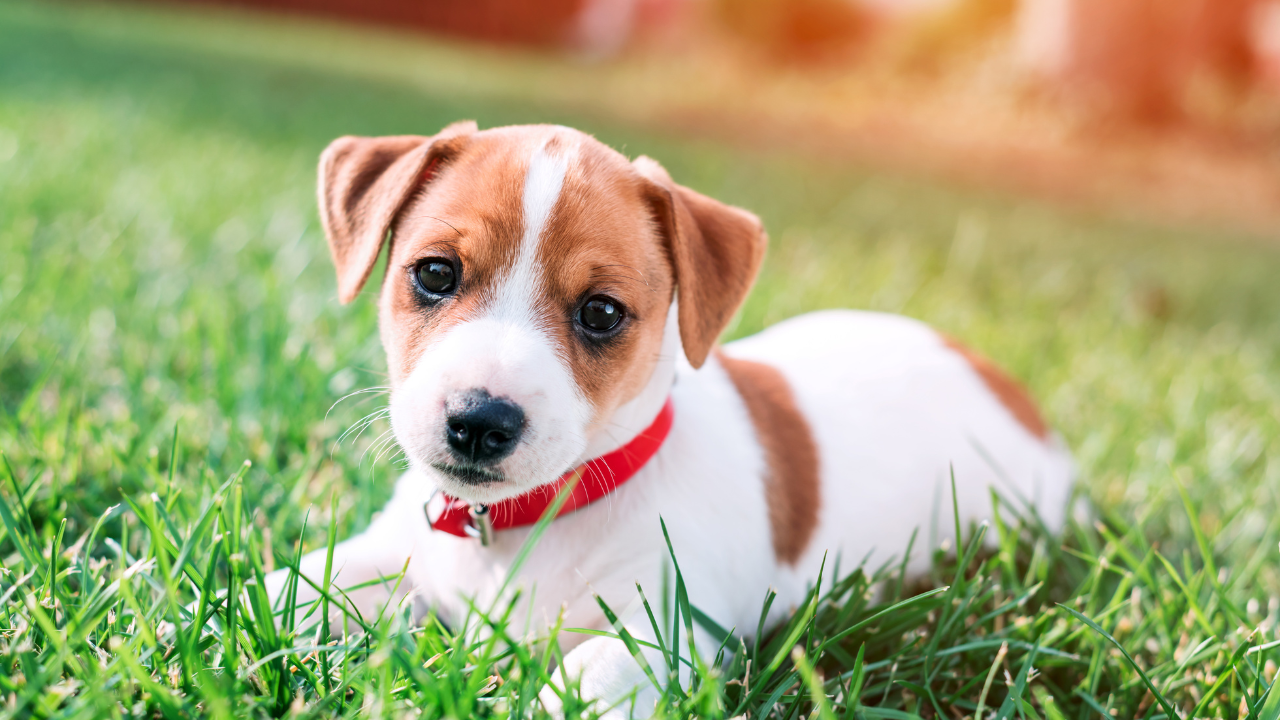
(835, 432)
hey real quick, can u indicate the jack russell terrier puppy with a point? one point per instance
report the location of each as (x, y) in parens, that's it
(550, 311)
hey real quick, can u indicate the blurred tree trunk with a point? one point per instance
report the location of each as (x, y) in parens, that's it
(1136, 56)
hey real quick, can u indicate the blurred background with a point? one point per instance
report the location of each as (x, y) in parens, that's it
(1170, 102)
(1086, 190)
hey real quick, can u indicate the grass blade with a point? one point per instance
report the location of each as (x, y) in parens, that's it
(1164, 704)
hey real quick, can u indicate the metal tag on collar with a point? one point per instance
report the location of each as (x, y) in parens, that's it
(481, 526)
(426, 509)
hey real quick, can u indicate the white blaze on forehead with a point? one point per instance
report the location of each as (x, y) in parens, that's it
(543, 181)
(510, 352)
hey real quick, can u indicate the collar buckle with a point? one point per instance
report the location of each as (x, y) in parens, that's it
(427, 511)
(481, 525)
(478, 523)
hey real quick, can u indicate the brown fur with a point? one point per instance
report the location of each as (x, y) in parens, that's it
(600, 240)
(618, 228)
(444, 219)
(717, 251)
(1007, 390)
(792, 483)
(597, 240)
(364, 183)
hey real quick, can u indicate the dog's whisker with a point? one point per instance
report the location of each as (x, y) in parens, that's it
(627, 278)
(377, 443)
(373, 415)
(445, 222)
(388, 441)
(611, 481)
(389, 453)
(357, 429)
(374, 448)
(390, 447)
(359, 426)
(378, 389)
(449, 243)
(618, 265)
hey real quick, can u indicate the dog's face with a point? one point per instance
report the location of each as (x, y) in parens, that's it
(529, 278)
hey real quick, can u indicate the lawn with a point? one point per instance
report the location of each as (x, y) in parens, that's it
(172, 349)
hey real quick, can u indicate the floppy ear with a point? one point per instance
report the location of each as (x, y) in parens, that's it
(716, 251)
(363, 184)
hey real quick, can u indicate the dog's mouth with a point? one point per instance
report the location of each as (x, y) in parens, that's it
(469, 474)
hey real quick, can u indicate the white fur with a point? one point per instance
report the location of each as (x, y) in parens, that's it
(636, 414)
(892, 409)
(522, 283)
(508, 352)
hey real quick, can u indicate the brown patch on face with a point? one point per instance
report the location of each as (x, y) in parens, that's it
(1007, 390)
(363, 184)
(600, 240)
(792, 484)
(619, 229)
(470, 213)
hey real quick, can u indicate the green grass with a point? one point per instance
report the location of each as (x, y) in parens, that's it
(162, 275)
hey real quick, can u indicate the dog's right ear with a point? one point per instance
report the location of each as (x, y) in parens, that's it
(364, 182)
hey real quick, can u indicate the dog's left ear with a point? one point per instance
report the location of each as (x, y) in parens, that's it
(716, 251)
(363, 184)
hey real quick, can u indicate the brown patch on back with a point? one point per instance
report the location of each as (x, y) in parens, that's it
(1008, 391)
(792, 487)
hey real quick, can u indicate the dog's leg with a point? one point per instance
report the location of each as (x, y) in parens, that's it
(608, 674)
(379, 553)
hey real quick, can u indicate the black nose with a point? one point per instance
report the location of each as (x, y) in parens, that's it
(480, 428)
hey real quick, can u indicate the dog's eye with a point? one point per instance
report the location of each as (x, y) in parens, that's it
(600, 314)
(436, 276)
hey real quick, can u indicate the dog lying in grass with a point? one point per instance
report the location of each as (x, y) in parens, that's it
(550, 312)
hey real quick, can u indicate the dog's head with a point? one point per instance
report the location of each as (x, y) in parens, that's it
(529, 279)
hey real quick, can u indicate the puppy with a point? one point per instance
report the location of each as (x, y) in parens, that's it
(550, 312)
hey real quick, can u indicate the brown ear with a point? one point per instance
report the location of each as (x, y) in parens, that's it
(363, 184)
(716, 250)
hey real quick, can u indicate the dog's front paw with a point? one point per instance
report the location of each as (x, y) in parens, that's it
(602, 675)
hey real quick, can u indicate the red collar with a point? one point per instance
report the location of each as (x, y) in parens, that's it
(599, 478)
